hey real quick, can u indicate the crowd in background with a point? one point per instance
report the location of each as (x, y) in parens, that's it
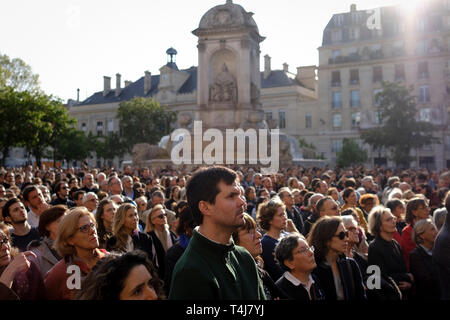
(314, 233)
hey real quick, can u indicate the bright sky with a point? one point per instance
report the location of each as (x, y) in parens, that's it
(74, 43)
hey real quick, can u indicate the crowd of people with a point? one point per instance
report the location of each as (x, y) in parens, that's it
(224, 233)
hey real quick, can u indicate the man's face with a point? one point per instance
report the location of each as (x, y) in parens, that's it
(17, 213)
(116, 186)
(229, 206)
(323, 187)
(63, 190)
(257, 180)
(89, 180)
(35, 199)
(157, 200)
(330, 208)
(19, 180)
(182, 182)
(288, 199)
(79, 201)
(10, 178)
(2, 191)
(91, 203)
(127, 183)
(267, 184)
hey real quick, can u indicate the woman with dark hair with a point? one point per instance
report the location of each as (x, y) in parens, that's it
(173, 198)
(386, 253)
(416, 209)
(339, 276)
(126, 235)
(249, 237)
(350, 201)
(297, 258)
(185, 226)
(272, 218)
(130, 276)
(105, 218)
(19, 276)
(250, 197)
(46, 255)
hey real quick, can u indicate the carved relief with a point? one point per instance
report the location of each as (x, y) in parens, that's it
(223, 17)
(224, 88)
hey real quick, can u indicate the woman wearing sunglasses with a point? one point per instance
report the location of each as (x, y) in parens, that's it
(297, 258)
(163, 239)
(77, 243)
(126, 235)
(339, 276)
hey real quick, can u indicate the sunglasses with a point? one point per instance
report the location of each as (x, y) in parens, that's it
(162, 215)
(87, 227)
(342, 235)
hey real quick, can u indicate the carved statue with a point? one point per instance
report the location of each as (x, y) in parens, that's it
(224, 87)
(144, 151)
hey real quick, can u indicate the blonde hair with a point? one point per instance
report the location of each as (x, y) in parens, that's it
(67, 227)
(150, 226)
(117, 229)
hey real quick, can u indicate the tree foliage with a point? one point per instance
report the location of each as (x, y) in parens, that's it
(143, 120)
(15, 73)
(400, 132)
(351, 154)
(109, 146)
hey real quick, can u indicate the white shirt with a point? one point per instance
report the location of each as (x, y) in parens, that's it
(296, 282)
(33, 219)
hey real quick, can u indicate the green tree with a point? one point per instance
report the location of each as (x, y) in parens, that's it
(400, 132)
(351, 154)
(72, 144)
(143, 120)
(109, 146)
(15, 73)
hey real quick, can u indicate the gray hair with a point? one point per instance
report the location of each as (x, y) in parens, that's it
(439, 217)
(87, 196)
(420, 227)
(284, 248)
(348, 220)
(374, 223)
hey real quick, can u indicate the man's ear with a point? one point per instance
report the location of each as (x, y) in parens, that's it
(8, 219)
(204, 207)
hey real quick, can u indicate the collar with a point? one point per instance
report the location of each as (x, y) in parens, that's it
(296, 282)
(429, 252)
(215, 249)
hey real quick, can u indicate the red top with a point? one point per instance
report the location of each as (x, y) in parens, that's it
(407, 243)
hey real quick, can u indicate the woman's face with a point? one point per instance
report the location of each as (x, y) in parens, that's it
(5, 250)
(339, 242)
(85, 237)
(250, 240)
(159, 217)
(302, 258)
(109, 210)
(137, 285)
(388, 223)
(430, 234)
(264, 194)
(251, 194)
(131, 219)
(335, 195)
(351, 199)
(52, 228)
(353, 233)
(422, 212)
(399, 211)
(279, 220)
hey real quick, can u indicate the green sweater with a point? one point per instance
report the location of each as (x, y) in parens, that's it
(211, 271)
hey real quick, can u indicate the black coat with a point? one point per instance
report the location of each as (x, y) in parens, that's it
(172, 255)
(441, 258)
(295, 216)
(299, 292)
(160, 253)
(141, 241)
(425, 277)
(351, 279)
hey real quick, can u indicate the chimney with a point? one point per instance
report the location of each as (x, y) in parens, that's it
(127, 83)
(353, 7)
(307, 76)
(78, 95)
(118, 84)
(285, 67)
(106, 85)
(267, 66)
(147, 82)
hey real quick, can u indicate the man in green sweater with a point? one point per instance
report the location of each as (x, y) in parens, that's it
(212, 267)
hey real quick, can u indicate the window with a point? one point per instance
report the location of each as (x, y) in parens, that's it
(421, 24)
(281, 119)
(399, 72)
(336, 146)
(422, 46)
(424, 94)
(337, 100)
(335, 78)
(354, 33)
(337, 120)
(268, 115)
(110, 125)
(376, 101)
(377, 117)
(308, 120)
(354, 76)
(336, 35)
(425, 114)
(356, 119)
(377, 74)
(423, 70)
(336, 54)
(354, 98)
(83, 127)
(99, 128)
(338, 20)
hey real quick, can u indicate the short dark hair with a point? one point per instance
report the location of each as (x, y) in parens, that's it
(8, 204)
(26, 192)
(284, 248)
(347, 192)
(186, 221)
(323, 231)
(49, 216)
(321, 202)
(393, 204)
(77, 194)
(203, 187)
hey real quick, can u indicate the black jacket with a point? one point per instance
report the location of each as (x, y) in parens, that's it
(141, 241)
(295, 216)
(299, 292)
(160, 253)
(441, 258)
(351, 279)
(425, 277)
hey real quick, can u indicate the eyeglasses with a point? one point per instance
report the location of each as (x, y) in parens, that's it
(342, 235)
(162, 215)
(351, 229)
(306, 249)
(4, 241)
(87, 227)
